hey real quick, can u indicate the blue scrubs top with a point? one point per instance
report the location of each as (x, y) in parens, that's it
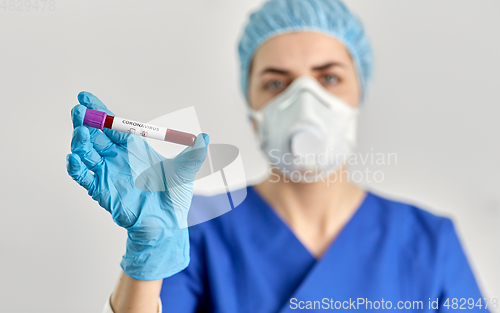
(248, 260)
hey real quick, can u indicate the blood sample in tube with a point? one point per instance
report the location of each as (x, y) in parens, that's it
(101, 120)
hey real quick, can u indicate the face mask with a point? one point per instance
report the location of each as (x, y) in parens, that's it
(306, 131)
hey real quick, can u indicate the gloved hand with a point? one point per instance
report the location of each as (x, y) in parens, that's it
(145, 193)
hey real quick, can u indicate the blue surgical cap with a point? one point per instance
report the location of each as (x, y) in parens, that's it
(327, 16)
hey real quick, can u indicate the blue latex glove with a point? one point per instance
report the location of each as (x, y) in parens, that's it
(145, 193)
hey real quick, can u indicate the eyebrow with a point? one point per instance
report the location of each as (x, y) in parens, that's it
(316, 68)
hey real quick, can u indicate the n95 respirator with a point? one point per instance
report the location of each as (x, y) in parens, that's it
(306, 131)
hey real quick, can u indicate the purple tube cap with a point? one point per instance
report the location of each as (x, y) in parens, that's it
(94, 118)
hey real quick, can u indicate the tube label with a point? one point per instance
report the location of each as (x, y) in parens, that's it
(138, 128)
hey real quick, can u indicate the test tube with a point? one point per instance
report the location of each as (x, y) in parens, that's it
(101, 120)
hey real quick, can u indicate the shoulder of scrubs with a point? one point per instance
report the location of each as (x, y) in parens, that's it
(185, 291)
(107, 306)
(432, 250)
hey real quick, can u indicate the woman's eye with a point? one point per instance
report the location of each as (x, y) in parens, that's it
(331, 79)
(275, 84)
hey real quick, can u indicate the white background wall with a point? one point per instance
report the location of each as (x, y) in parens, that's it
(434, 102)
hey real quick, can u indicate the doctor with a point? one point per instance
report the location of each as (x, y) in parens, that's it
(305, 238)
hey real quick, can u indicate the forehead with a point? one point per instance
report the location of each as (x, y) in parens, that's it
(303, 48)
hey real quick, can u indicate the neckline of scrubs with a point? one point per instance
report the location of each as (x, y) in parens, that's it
(355, 218)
